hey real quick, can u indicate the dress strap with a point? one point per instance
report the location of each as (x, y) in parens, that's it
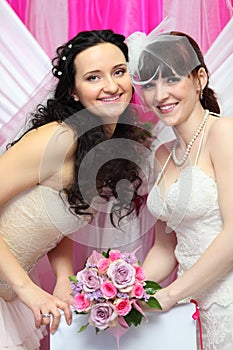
(163, 168)
(199, 146)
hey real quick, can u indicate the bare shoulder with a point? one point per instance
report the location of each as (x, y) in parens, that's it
(221, 131)
(36, 157)
(55, 136)
(221, 125)
(220, 141)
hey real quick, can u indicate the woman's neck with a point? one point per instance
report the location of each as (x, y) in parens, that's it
(109, 130)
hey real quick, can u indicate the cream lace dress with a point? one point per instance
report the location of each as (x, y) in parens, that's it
(32, 224)
(191, 209)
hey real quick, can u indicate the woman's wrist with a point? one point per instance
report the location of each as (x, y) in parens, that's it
(20, 285)
(166, 297)
(63, 278)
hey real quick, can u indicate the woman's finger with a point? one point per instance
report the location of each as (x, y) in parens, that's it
(56, 316)
(45, 318)
(38, 318)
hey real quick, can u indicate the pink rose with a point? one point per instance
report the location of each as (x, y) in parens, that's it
(103, 265)
(140, 273)
(122, 275)
(81, 303)
(114, 255)
(102, 315)
(90, 279)
(123, 307)
(138, 290)
(109, 290)
(94, 258)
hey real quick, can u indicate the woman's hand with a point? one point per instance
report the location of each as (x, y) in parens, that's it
(63, 290)
(164, 300)
(41, 302)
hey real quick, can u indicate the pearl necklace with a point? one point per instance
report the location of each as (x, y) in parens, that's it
(181, 161)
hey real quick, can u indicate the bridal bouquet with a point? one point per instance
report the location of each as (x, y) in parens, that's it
(109, 289)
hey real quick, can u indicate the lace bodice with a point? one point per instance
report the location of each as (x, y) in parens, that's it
(191, 209)
(33, 223)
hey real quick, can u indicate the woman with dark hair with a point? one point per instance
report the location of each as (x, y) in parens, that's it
(192, 198)
(47, 184)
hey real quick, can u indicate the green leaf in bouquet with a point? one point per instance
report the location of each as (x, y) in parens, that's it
(97, 330)
(73, 278)
(151, 287)
(83, 328)
(80, 312)
(152, 302)
(106, 254)
(133, 317)
(85, 262)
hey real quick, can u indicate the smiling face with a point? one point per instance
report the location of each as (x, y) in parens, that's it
(102, 82)
(174, 98)
(168, 78)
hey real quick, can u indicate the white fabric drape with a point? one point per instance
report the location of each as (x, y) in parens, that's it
(219, 60)
(48, 22)
(23, 62)
(23, 65)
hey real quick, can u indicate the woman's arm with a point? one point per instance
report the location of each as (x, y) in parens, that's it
(61, 259)
(217, 260)
(29, 293)
(21, 167)
(160, 260)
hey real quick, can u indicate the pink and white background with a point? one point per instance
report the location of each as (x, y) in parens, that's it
(31, 30)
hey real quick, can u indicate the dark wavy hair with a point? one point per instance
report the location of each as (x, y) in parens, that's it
(63, 108)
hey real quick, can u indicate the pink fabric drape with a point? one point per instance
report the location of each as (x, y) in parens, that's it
(47, 21)
(121, 16)
(20, 7)
(203, 20)
(53, 22)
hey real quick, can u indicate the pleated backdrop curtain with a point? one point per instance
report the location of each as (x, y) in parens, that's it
(53, 22)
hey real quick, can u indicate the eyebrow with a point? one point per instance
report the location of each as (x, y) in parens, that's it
(98, 71)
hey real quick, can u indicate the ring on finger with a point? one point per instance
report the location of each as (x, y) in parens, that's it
(46, 315)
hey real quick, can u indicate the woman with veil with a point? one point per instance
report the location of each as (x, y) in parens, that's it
(192, 196)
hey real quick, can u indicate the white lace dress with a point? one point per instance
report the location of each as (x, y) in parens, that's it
(32, 224)
(191, 209)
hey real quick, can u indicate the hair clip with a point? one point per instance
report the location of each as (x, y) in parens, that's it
(69, 46)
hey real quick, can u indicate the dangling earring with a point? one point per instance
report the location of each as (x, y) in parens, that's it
(201, 94)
